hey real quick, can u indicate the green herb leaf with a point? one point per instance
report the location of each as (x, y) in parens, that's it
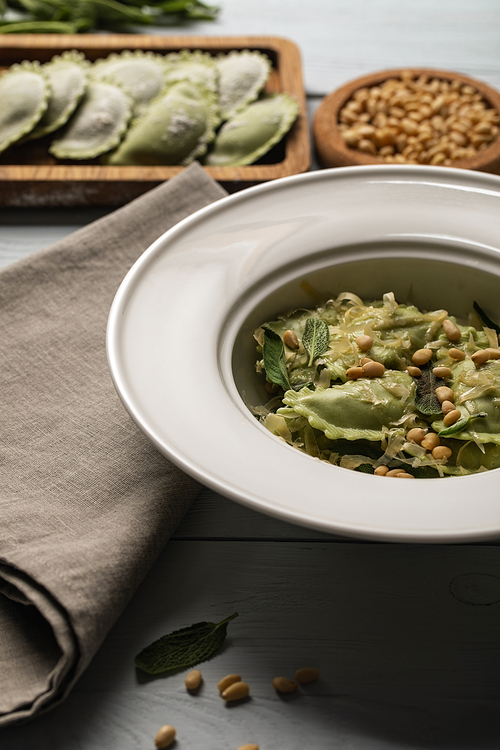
(459, 425)
(316, 338)
(426, 400)
(183, 648)
(273, 352)
(485, 319)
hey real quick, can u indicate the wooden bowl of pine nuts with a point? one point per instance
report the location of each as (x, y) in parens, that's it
(414, 116)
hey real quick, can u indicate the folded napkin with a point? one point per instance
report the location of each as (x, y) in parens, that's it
(86, 502)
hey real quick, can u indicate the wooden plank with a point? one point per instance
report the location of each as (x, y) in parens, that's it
(29, 176)
(404, 662)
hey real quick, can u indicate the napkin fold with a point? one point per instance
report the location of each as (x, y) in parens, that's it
(86, 502)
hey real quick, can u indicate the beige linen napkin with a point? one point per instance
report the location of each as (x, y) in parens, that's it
(86, 502)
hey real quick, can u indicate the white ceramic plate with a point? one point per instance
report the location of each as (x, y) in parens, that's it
(182, 356)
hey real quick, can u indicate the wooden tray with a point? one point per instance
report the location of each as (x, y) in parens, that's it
(30, 176)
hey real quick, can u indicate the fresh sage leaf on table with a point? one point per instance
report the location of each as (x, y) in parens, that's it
(485, 319)
(183, 648)
(426, 400)
(273, 352)
(316, 338)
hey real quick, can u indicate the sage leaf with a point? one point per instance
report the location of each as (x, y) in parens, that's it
(183, 648)
(273, 352)
(426, 400)
(485, 319)
(316, 338)
(459, 425)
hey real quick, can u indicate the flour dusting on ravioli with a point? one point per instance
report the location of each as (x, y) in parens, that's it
(24, 95)
(140, 73)
(67, 75)
(174, 129)
(97, 125)
(242, 76)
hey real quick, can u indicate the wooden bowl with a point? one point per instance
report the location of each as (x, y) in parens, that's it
(334, 152)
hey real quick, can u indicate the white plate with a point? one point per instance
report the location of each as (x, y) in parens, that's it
(181, 352)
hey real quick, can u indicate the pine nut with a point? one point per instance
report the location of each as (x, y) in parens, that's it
(421, 356)
(381, 471)
(165, 736)
(457, 354)
(284, 685)
(447, 406)
(480, 357)
(290, 339)
(441, 372)
(415, 372)
(236, 691)
(364, 342)
(451, 330)
(373, 369)
(306, 675)
(451, 417)
(394, 472)
(228, 680)
(444, 393)
(430, 441)
(250, 746)
(354, 372)
(193, 679)
(445, 108)
(494, 353)
(364, 360)
(416, 434)
(441, 452)
(404, 475)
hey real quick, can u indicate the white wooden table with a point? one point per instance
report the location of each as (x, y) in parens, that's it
(407, 638)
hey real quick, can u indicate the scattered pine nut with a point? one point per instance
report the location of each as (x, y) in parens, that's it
(457, 354)
(228, 680)
(415, 372)
(165, 736)
(284, 685)
(394, 472)
(416, 434)
(373, 369)
(441, 452)
(447, 406)
(404, 475)
(364, 360)
(421, 356)
(480, 357)
(193, 679)
(430, 441)
(494, 353)
(451, 330)
(290, 339)
(364, 342)
(381, 471)
(306, 675)
(451, 417)
(354, 373)
(441, 372)
(236, 691)
(444, 393)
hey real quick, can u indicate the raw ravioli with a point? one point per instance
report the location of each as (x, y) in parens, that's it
(174, 129)
(140, 73)
(67, 75)
(97, 125)
(242, 76)
(253, 132)
(197, 67)
(24, 95)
